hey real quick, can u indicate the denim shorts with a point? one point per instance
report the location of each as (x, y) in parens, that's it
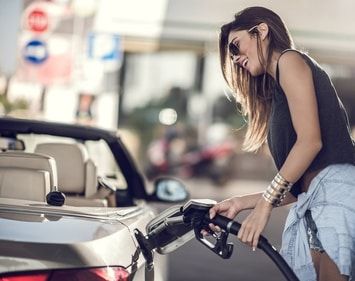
(331, 202)
(312, 233)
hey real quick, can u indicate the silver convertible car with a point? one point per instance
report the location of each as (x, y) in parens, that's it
(70, 199)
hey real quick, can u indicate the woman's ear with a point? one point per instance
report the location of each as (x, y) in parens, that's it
(263, 29)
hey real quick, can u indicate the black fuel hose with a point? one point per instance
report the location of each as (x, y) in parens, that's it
(233, 227)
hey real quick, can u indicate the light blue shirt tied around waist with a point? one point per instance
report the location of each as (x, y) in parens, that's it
(295, 248)
(330, 198)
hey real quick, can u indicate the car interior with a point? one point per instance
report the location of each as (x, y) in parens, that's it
(77, 173)
(52, 166)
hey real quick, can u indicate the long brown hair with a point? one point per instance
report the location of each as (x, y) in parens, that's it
(254, 93)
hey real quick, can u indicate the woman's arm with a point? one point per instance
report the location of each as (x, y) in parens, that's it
(296, 81)
(249, 201)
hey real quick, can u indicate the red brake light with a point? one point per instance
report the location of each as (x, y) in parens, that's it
(91, 274)
(82, 274)
(26, 277)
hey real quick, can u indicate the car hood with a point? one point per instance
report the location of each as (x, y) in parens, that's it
(34, 235)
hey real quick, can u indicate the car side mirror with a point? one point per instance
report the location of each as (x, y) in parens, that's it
(171, 190)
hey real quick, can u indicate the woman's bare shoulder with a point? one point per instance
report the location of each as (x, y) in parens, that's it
(292, 58)
(292, 64)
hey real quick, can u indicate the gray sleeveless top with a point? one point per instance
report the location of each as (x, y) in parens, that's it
(338, 147)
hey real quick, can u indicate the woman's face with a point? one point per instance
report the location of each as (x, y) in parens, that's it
(247, 57)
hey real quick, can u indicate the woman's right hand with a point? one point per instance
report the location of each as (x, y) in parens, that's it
(231, 207)
(228, 208)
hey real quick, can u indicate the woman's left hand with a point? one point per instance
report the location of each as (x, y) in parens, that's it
(255, 223)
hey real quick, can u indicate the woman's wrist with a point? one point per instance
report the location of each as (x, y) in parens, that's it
(277, 190)
(265, 204)
(249, 201)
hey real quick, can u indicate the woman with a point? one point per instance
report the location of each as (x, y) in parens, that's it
(292, 105)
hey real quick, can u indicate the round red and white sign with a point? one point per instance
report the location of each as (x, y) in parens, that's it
(37, 20)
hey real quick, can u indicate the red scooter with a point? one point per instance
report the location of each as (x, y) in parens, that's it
(214, 161)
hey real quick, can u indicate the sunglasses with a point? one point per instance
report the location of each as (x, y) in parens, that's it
(234, 47)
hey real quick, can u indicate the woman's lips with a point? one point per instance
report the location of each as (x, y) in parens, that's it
(245, 62)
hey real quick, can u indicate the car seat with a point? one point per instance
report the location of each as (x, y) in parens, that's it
(77, 173)
(29, 176)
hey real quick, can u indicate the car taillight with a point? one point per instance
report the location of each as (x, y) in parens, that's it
(26, 277)
(83, 274)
